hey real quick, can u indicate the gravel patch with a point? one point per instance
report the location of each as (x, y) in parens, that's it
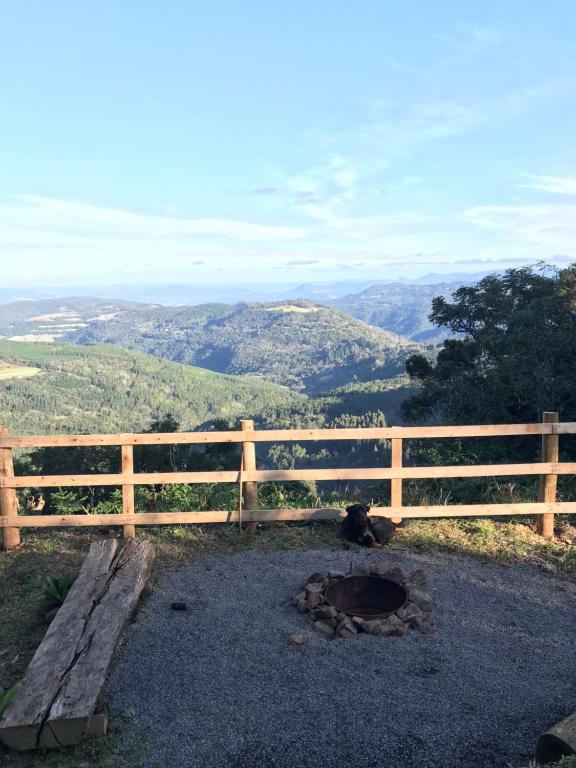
(220, 685)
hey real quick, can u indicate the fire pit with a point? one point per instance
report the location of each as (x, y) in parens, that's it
(375, 599)
(370, 597)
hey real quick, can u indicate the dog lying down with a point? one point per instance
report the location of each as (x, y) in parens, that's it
(360, 529)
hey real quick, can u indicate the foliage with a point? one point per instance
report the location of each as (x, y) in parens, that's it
(7, 695)
(56, 589)
(515, 355)
(105, 389)
(300, 345)
(67, 502)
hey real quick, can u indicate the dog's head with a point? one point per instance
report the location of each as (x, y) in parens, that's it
(358, 513)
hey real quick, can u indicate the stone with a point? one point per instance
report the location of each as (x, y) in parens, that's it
(379, 569)
(302, 606)
(325, 612)
(359, 621)
(314, 588)
(347, 634)
(297, 639)
(314, 600)
(177, 605)
(297, 597)
(361, 569)
(421, 598)
(346, 628)
(422, 623)
(341, 616)
(315, 578)
(395, 574)
(324, 629)
(408, 612)
(334, 575)
(390, 627)
(418, 577)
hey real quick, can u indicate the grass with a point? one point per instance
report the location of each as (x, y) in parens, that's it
(17, 372)
(60, 553)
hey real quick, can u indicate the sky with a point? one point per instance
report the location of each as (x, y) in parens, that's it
(264, 141)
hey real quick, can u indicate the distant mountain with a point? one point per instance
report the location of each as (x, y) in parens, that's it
(299, 344)
(68, 388)
(400, 308)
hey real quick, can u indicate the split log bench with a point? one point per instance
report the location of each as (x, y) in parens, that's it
(56, 705)
(558, 742)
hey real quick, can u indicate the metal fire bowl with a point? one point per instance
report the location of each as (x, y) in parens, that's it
(370, 597)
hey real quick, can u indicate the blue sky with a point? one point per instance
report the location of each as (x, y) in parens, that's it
(256, 140)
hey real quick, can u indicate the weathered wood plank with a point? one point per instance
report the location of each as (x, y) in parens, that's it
(288, 435)
(549, 482)
(61, 687)
(220, 516)
(270, 475)
(8, 499)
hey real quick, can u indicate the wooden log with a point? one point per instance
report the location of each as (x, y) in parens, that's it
(558, 742)
(8, 498)
(309, 514)
(288, 435)
(57, 702)
(128, 489)
(396, 483)
(548, 483)
(249, 490)
(280, 475)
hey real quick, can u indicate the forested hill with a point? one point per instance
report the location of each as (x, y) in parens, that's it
(399, 307)
(299, 344)
(67, 388)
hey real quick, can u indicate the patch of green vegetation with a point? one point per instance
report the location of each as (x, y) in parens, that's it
(17, 372)
(100, 388)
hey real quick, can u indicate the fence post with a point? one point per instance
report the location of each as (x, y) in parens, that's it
(249, 489)
(8, 498)
(396, 484)
(129, 529)
(548, 483)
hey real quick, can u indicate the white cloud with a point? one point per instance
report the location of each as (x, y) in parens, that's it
(61, 220)
(558, 185)
(551, 226)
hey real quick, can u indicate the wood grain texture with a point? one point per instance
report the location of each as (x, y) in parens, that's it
(549, 482)
(320, 513)
(288, 435)
(63, 682)
(128, 507)
(8, 500)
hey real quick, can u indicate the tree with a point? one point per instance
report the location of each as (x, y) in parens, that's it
(514, 355)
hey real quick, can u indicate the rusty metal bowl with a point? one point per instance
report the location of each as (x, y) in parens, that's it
(370, 597)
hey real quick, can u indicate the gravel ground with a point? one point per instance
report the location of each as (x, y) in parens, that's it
(219, 685)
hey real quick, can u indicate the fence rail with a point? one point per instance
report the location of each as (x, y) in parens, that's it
(248, 476)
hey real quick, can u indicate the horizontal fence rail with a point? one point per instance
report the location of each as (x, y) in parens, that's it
(247, 476)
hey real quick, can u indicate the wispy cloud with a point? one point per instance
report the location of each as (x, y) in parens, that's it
(472, 38)
(558, 185)
(552, 226)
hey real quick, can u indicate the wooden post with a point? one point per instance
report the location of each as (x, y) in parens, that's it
(250, 488)
(548, 483)
(8, 498)
(128, 490)
(396, 485)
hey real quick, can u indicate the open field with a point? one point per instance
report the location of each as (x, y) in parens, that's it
(16, 371)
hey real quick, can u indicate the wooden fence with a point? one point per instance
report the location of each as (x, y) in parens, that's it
(248, 476)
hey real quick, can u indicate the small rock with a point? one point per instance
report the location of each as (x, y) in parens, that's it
(379, 569)
(297, 639)
(179, 606)
(50, 614)
(395, 574)
(346, 628)
(314, 600)
(302, 606)
(418, 577)
(341, 616)
(314, 588)
(333, 575)
(297, 597)
(421, 598)
(324, 629)
(422, 623)
(315, 578)
(408, 612)
(325, 612)
(392, 626)
(347, 634)
(361, 569)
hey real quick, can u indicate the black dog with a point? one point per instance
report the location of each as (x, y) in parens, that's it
(359, 528)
